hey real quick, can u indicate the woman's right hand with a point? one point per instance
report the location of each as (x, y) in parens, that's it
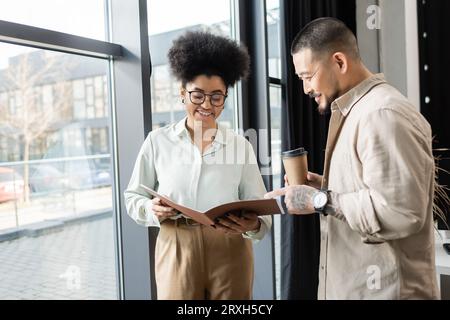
(161, 210)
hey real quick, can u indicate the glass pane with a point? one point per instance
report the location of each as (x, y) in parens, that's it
(165, 25)
(79, 17)
(277, 180)
(56, 217)
(273, 35)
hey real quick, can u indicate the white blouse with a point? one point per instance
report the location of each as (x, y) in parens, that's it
(170, 163)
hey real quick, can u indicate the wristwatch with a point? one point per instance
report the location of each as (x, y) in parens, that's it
(320, 200)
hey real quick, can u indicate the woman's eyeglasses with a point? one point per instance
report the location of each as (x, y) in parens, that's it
(198, 97)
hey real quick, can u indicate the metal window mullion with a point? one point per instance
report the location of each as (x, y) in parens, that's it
(29, 36)
(132, 122)
(256, 115)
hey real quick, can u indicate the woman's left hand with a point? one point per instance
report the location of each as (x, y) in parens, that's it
(235, 224)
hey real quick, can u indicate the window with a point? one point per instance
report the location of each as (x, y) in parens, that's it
(90, 98)
(97, 140)
(3, 148)
(273, 31)
(275, 124)
(79, 17)
(47, 96)
(59, 186)
(273, 35)
(189, 15)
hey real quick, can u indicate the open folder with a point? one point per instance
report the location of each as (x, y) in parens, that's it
(261, 207)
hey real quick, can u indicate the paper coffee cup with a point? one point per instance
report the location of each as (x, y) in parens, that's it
(296, 165)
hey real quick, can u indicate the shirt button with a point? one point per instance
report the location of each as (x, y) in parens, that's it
(322, 267)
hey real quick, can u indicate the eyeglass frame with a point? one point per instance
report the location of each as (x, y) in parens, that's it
(311, 77)
(204, 97)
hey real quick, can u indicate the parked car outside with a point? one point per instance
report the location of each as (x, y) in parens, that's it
(56, 178)
(11, 185)
(46, 178)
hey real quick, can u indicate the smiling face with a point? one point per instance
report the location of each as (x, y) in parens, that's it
(204, 112)
(319, 77)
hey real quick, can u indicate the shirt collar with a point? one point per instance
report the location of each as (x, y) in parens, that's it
(181, 130)
(346, 102)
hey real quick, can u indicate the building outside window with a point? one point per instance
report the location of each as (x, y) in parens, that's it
(56, 214)
(189, 16)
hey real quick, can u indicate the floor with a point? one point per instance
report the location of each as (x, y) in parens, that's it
(77, 262)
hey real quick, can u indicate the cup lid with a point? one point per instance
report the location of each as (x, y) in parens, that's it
(294, 153)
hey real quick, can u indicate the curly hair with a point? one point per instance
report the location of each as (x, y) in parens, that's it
(198, 52)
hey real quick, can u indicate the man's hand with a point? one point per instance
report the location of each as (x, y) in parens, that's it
(298, 199)
(235, 224)
(312, 179)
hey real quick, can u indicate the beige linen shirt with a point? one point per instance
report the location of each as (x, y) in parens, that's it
(380, 244)
(170, 163)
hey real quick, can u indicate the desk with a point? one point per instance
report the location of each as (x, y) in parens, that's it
(442, 263)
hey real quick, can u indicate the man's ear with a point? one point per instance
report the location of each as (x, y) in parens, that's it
(340, 59)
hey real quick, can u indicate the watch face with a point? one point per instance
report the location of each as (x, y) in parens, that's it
(320, 200)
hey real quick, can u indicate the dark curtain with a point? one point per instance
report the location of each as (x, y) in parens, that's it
(302, 126)
(434, 51)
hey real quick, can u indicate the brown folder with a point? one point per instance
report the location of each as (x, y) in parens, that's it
(261, 207)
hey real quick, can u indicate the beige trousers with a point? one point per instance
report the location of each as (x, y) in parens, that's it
(198, 262)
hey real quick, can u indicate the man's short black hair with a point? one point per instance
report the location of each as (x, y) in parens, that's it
(198, 52)
(326, 35)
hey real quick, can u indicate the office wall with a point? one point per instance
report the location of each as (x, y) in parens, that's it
(388, 40)
(368, 39)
